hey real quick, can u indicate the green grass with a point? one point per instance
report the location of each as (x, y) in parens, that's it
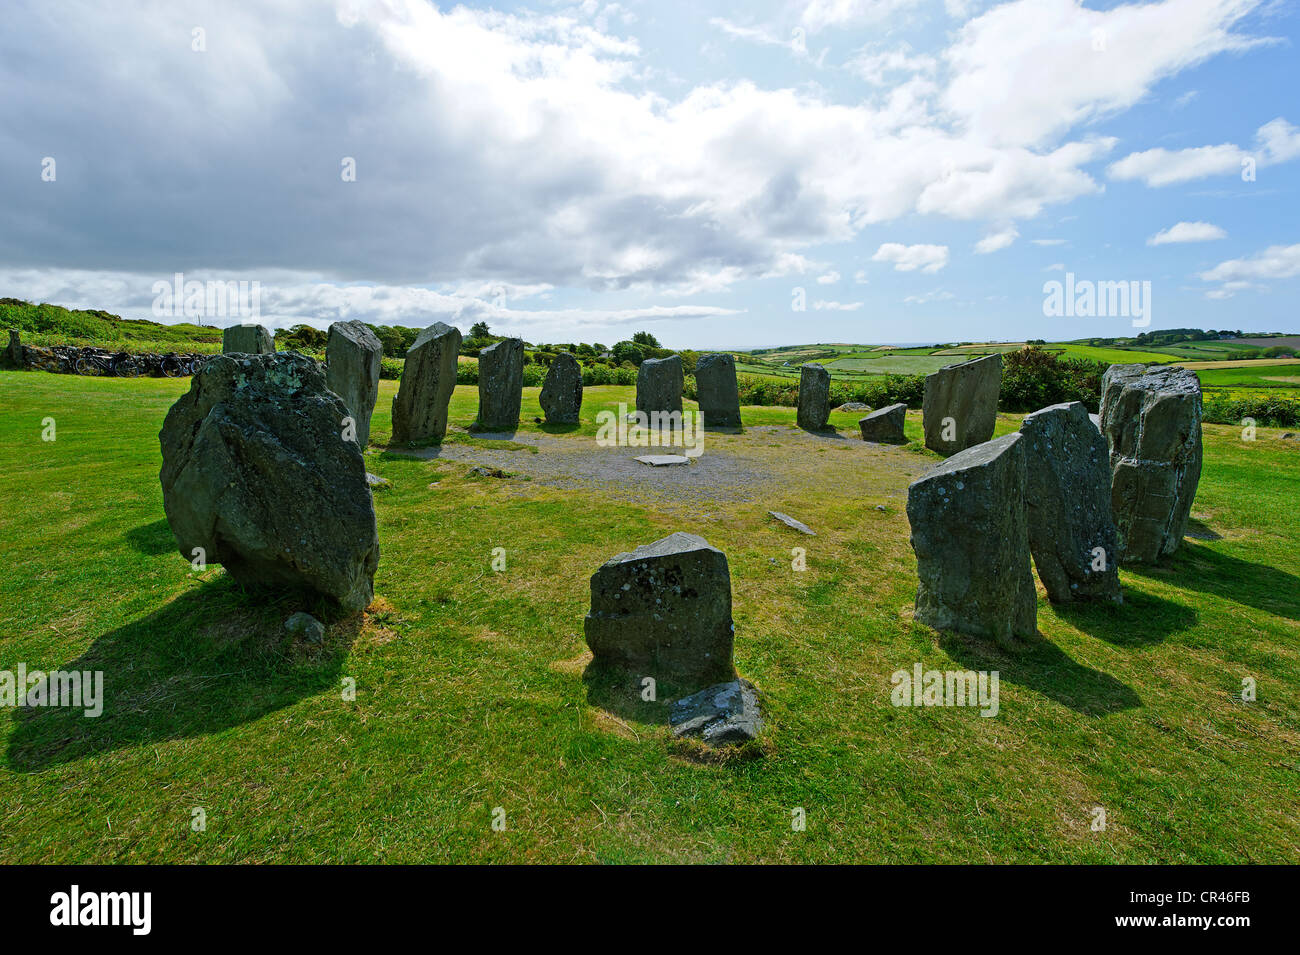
(470, 692)
(887, 364)
(1262, 375)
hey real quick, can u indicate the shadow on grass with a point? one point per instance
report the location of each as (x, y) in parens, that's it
(1141, 620)
(830, 431)
(1199, 530)
(152, 539)
(554, 428)
(1201, 568)
(1043, 667)
(611, 689)
(207, 661)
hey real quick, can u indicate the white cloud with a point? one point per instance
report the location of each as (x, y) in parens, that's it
(1275, 262)
(876, 67)
(290, 298)
(819, 14)
(824, 305)
(830, 278)
(1026, 71)
(1275, 142)
(996, 241)
(909, 258)
(1047, 242)
(860, 277)
(1187, 232)
(938, 295)
(1055, 267)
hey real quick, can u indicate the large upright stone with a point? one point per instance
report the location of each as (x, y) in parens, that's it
(885, 426)
(716, 391)
(814, 409)
(247, 340)
(961, 404)
(428, 379)
(664, 611)
(500, 385)
(971, 539)
(257, 474)
(352, 360)
(659, 386)
(1151, 417)
(14, 353)
(1067, 496)
(561, 396)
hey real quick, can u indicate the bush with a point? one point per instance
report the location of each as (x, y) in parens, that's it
(1264, 409)
(391, 367)
(1033, 379)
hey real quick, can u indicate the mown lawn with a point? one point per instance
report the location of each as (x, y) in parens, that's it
(470, 691)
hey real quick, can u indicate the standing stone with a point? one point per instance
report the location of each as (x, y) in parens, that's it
(428, 379)
(659, 387)
(971, 539)
(247, 340)
(352, 359)
(664, 611)
(256, 473)
(716, 391)
(961, 404)
(500, 385)
(561, 396)
(814, 397)
(1151, 417)
(1067, 497)
(15, 350)
(885, 426)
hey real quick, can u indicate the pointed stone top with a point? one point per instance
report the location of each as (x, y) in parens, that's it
(679, 543)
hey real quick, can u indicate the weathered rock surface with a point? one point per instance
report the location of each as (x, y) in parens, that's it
(961, 404)
(814, 397)
(257, 474)
(428, 379)
(561, 396)
(1151, 417)
(14, 353)
(1067, 499)
(352, 356)
(306, 626)
(659, 386)
(793, 524)
(500, 385)
(247, 340)
(971, 539)
(664, 611)
(885, 426)
(716, 391)
(719, 714)
(854, 406)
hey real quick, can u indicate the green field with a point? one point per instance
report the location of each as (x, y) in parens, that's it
(470, 689)
(1262, 375)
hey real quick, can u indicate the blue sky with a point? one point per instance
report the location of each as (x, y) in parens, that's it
(909, 170)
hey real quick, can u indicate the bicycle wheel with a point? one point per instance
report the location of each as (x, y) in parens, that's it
(87, 366)
(171, 367)
(124, 366)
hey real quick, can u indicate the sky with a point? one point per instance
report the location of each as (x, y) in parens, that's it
(722, 175)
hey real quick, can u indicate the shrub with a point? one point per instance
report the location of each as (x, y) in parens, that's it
(1033, 379)
(1264, 409)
